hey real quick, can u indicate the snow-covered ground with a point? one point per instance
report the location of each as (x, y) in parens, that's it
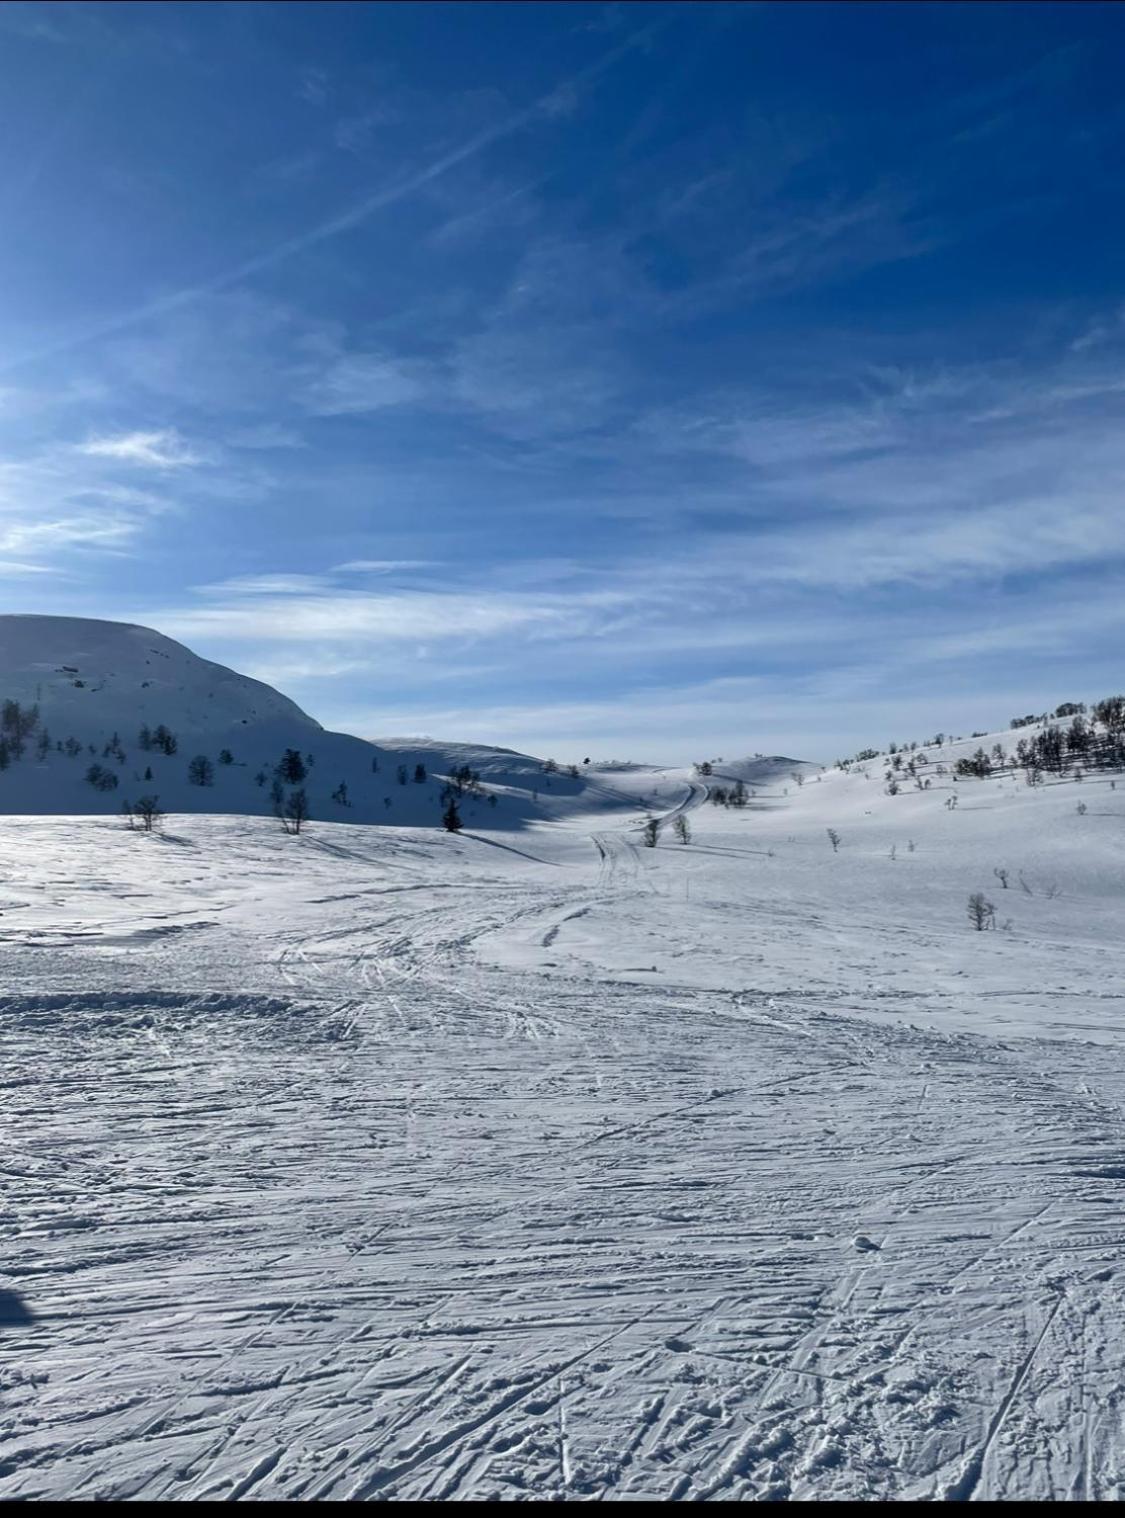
(380, 1163)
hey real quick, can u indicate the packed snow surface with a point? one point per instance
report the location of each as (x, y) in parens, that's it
(386, 1164)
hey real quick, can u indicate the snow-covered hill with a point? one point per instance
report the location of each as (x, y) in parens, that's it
(390, 1164)
(396, 1165)
(99, 691)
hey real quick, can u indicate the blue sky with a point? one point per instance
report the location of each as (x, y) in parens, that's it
(630, 380)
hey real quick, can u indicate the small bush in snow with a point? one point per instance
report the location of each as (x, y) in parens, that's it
(100, 778)
(982, 914)
(148, 812)
(296, 811)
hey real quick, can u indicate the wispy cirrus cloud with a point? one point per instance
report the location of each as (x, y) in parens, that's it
(314, 87)
(152, 450)
(359, 382)
(382, 566)
(574, 397)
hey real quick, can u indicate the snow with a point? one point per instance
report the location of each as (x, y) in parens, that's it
(536, 1164)
(93, 681)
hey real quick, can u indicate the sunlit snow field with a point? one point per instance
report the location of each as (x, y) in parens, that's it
(381, 1163)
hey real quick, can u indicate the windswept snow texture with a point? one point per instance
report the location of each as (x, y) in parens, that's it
(394, 1165)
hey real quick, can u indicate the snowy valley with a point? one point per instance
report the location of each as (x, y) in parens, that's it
(531, 1162)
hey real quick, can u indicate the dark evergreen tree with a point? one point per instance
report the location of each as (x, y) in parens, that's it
(292, 769)
(201, 771)
(101, 779)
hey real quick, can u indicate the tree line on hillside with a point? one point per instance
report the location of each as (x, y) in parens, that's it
(1093, 738)
(1089, 742)
(21, 730)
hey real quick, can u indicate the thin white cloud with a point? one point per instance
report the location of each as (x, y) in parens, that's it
(266, 585)
(50, 508)
(111, 531)
(360, 382)
(152, 450)
(394, 617)
(381, 566)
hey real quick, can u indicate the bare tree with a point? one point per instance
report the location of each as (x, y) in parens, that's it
(834, 839)
(1002, 877)
(651, 833)
(149, 812)
(296, 810)
(682, 828)
(982, 914)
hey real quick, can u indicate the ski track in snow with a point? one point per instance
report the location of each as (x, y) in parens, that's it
(419, 1170)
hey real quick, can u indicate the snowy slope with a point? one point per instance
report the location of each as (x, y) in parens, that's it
(387, 1164)
(91, 680)
(98, 678)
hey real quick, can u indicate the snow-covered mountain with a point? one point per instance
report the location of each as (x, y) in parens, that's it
(97, 678)
(112, 711)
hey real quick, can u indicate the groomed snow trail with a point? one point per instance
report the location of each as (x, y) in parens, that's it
(412, 1167)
